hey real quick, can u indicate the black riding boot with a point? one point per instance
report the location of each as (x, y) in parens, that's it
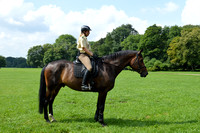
(86, 76)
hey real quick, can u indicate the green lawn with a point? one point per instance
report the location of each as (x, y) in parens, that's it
(161, 102)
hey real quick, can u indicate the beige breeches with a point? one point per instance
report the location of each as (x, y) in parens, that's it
(86, 61)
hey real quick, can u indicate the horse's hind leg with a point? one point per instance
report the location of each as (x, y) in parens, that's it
(46, 105)
(51, 110)
(51, 104)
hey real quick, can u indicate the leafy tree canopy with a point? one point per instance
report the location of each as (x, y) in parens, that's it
(184, 51)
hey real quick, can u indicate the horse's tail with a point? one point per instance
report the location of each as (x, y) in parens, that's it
(42, 91)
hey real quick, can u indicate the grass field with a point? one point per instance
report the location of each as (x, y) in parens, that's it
(161, 102)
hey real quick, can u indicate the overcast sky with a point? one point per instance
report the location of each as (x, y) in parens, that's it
(27, 23)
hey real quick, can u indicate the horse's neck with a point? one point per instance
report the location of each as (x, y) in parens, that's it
(121, 62)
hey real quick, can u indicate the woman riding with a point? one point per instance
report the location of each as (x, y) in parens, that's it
(85, 53)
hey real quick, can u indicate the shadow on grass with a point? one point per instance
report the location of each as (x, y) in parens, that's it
(127, 122)
(143, 123)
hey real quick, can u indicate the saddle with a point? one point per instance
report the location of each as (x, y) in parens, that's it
(79, 68)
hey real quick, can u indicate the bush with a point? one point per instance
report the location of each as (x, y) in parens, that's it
(165, 66)
(149, 63)
(156, 65)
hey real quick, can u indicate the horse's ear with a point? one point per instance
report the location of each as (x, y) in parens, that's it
(140, 52)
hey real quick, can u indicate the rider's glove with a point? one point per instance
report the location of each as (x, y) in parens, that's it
(95, 57)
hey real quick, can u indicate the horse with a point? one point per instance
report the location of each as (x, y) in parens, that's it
(59, 73)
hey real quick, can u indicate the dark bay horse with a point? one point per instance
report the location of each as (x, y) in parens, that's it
(59, 73)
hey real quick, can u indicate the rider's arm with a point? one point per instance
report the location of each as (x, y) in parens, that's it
(88, 51)
(84, 45)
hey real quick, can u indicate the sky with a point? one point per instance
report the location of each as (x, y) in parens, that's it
(27, 23)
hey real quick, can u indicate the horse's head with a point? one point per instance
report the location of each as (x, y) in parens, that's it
(137, 64)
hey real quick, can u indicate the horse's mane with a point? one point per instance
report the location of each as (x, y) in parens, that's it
(114, 56)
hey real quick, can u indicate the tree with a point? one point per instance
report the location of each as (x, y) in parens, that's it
(16, 62)
(131, 42)
(10, 62)
(35, 56)
(2, 61)
(184, 51)
(21, 62)
(65, 47)
(112, 42)
(174, 52)
(65, 40)
(153, 43)
(118, 35)
(96, 46)
(174, 31)
(72, 52)
(60, 53)
(47, 46)
(48, 56)
(165, 38)
(57, 53)
(122, 32)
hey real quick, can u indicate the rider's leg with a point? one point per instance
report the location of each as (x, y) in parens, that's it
(86, 76)
(86, 61)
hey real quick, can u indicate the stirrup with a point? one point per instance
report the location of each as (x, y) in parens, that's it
(85, 87)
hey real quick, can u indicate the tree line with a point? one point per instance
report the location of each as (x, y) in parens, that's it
(13, 62)
(167, 48)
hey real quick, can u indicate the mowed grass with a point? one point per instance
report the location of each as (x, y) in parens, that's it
(161, 102)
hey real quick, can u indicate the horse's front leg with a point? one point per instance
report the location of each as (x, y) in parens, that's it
(100, 108)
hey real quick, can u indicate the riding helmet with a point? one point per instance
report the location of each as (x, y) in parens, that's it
(85, 28)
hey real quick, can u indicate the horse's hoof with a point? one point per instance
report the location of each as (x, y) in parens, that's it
(53, 120)
(103, 124)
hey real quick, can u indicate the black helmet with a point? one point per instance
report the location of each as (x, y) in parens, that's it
(85, 28)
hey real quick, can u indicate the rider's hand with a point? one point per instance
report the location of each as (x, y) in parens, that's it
(95, 56)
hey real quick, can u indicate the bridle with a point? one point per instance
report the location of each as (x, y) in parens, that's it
(137, 63)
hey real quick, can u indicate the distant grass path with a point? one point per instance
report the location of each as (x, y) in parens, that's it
(178, 73)
(161, 102)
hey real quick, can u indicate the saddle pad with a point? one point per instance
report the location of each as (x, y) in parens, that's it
(79, 70)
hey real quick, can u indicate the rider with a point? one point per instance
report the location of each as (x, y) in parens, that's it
(85, 53)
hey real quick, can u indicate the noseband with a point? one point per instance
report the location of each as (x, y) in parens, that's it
(137, 63)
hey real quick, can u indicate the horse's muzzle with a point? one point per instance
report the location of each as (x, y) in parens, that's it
(144, 74)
